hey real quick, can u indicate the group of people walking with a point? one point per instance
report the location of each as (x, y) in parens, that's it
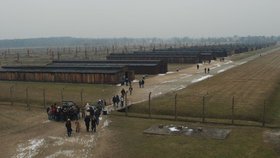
(206, 70)
(63, 112)
(90, 115)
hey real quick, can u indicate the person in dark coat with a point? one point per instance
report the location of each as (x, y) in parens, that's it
(68, 127)
(87, 121)
(142, 83)
(130, 89)
(93, 124)
(123, 92)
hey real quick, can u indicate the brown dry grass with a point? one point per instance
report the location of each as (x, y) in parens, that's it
(250, 84)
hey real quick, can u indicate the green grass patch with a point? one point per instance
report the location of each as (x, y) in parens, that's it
(128, 135)
(55, 92)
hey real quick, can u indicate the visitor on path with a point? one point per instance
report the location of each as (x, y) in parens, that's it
(93, 124)
(87, 121)
(97, 114)
(130, 90)
(197, 66)
(205, 70)
(78, 126)
(126, 81)
(68, 127)
(114, 101)
(117, 100)
(142, 83)
(122, 101)
(208, 70)
(123, 92)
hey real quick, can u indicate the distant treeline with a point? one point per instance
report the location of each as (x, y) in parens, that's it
(108, 42)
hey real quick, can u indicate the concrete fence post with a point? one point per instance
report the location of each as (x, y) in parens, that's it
(61, 93)
(232, 111)
(27, 99)
(82, 96)
(175, 107)
(150, 104)
(44, 98)
(203, 109)
(12, 95)
(264, 111)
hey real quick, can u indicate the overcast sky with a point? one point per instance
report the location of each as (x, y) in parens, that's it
(138, 18)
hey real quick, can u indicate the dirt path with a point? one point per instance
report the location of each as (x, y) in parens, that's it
(36, 136)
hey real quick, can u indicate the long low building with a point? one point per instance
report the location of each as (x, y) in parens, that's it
(191, 55)
(138, 66)
(169, 58)
(69, 74)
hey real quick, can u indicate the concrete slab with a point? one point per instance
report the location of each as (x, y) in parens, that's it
(207, 132)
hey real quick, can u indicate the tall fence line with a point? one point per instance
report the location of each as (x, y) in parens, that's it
(42, 97)
(232, 115)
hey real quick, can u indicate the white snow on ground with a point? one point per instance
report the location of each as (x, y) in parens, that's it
(185, 76)
(161, 74)
(158, 94)
(169, 81)
(106, 123)
(47, 121)
(30, 149)
(118, 85)
(135, 81)
(173, 129)
(62, 153)
(216, 66)
(231, 66)
(201, 78)
(86, 141)
(228, 62)
(170, 72)
(181, 87)
(242, 63)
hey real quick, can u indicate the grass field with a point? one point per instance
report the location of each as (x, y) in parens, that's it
(250, 84)
(54, 92)
(128, 140)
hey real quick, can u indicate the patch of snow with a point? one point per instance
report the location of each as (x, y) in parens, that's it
(185, 76)
(161, 74)
(135, 81)
(67, 153)
(169, 81)
(242, 63)
(158, 94)
(47, 121)
(173, 129)
(228, 62)
(216, 66)
(201, 78)
(170, 72)
(106, 123)
(30, 149)
(139, 101)
(118, 85)
(225, 69)
(181, 87)
(86, 141)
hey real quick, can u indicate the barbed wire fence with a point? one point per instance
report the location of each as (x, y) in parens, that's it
(206, 109)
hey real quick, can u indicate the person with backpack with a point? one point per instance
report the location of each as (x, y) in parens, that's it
(68, 127)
